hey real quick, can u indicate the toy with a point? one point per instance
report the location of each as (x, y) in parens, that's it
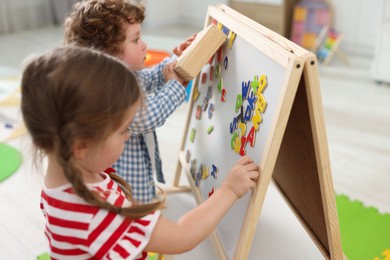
(327, 44)
(154, 57)
(309, 17)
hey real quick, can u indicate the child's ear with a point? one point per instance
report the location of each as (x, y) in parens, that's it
(80, 149)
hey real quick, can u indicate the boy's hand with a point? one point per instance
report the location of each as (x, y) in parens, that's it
(169, 73)
(242, 177)
(179, 49)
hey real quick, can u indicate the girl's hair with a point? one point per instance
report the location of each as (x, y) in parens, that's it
(74, 93)
(101, 24)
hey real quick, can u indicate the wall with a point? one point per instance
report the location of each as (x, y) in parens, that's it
(357, 19)
(19, 15)
(194, 12)
(160, 13)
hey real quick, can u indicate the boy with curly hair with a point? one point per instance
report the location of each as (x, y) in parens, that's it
(114, 27)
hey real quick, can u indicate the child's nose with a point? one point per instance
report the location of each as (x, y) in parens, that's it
(144, 45)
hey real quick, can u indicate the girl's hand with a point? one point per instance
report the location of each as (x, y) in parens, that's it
(242, 177)
(179, 49)
(177, 237)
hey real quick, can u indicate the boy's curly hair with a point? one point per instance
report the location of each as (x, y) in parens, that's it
(101, 24)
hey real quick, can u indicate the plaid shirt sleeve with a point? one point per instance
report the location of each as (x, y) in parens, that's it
(160, 104)
(162, 99)
(152, 79)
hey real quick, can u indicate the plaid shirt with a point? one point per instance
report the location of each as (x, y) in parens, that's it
(162, 99)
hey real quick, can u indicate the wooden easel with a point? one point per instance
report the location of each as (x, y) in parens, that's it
(298, 160)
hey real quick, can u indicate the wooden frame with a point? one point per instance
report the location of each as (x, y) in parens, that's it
(296, 154)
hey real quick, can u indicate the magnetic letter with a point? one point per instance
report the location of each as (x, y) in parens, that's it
(238, 102)
(245, 89)
(251, 136)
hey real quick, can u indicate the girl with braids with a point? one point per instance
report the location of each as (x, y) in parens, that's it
(81, 125)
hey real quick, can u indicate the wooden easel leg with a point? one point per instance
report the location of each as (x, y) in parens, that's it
(176, 189)
(176, 180)
(175, 186)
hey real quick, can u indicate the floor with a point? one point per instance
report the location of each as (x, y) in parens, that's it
(357, 118)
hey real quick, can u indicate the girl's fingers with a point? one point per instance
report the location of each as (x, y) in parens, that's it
(244, 160)
(254, 175)
(247, 161)
(252, 167)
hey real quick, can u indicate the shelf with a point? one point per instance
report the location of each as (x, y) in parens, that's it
(275, 15)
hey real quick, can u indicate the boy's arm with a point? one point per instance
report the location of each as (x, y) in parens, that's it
(158, 106)
(152, 79)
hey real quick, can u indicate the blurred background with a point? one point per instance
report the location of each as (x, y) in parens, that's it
(352, 41)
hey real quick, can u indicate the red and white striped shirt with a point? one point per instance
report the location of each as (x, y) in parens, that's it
(77, 230)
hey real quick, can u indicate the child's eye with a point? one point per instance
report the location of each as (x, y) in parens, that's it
(127, 131)
(136, 40)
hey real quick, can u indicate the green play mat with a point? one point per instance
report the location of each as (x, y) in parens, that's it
(365, 232)
(10, 160)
